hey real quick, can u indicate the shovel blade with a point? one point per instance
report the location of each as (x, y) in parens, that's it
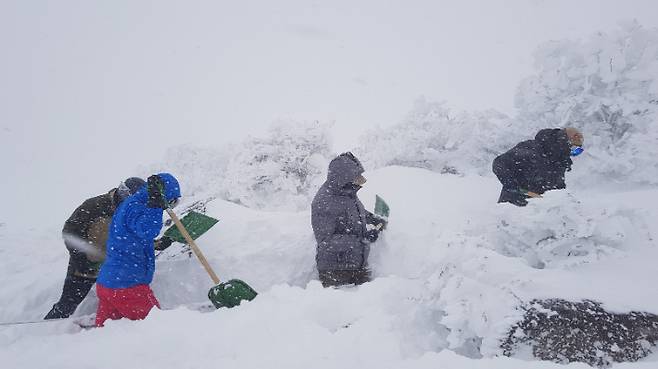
(231, 293)
(381, 207)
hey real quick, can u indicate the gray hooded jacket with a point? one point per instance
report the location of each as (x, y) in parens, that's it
(339, 218)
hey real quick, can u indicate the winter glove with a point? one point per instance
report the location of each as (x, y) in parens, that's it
(163, 243)
(530, 193)
(379, 223)
(371, 236)
(155, 187)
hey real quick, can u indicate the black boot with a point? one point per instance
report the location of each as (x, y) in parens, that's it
(80, 276)
(75, 290)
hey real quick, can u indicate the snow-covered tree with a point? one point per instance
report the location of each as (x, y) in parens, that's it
(279, 171)
(198, 169)
(282, 170)
(607, 86)
(432, 137)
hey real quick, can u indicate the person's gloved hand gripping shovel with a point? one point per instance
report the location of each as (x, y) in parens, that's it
(227, 294)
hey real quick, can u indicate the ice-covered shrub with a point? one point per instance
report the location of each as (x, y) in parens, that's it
(560, 231)
(199, 170)
(607, 86)
(280, 171)
(433, 137)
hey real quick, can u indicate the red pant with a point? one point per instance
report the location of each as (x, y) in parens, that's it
(133, 303)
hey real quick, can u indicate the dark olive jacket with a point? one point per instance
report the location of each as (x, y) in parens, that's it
(90, 222)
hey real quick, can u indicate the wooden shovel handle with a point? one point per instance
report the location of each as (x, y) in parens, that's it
(195, 248)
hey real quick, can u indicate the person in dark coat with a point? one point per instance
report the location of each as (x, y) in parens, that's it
(339, 223)
(85, 235)
(123, 285)
(535, 166)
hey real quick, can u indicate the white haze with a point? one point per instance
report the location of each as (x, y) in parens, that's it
(91, 90)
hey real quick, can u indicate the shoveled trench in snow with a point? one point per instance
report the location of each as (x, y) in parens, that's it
(450, 272)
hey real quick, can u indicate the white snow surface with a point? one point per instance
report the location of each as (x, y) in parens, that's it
(449, 273)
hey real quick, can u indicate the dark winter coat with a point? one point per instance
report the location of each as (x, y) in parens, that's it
(90, 222)
(130, 257)
(339, 218)
(535, 165)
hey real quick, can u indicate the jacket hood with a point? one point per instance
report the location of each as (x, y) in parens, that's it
(127, 188)
(171, 186)
(343, 170)
(553, 143)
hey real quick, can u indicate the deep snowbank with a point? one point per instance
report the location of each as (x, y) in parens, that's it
(451, 271)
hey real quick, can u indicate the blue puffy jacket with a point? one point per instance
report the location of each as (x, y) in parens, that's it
(130, 257)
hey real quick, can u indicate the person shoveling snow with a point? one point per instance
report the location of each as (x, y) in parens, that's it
(339, 224)
(533, 167)
(85, 234)
(123, 282)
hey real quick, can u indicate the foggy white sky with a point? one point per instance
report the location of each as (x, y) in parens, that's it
(89, 90)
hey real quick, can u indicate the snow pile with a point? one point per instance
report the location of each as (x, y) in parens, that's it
(560, 231)
(263, 248)
(479, 262)
(443, 284)
(285, 328)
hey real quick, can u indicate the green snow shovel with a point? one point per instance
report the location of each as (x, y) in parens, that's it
(194, 223)
(227, 294)
(381, 207)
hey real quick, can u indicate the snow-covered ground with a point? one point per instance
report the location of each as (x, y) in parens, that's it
(92, 93)
(450, 272)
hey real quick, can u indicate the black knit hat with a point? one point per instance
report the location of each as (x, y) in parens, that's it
(129, 187)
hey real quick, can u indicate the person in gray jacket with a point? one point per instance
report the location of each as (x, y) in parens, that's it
(339, 223)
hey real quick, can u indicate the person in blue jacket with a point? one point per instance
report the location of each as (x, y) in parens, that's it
(123, 282)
